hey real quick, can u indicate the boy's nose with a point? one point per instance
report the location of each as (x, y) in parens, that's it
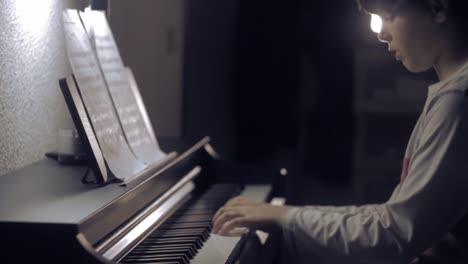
(384, 36)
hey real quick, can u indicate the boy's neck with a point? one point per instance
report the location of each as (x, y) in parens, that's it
(450, 60)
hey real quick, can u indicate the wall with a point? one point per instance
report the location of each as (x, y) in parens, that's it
(149, 34)
(186, 81)
(32, 59)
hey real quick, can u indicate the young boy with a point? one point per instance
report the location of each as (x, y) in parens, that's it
(424, 219)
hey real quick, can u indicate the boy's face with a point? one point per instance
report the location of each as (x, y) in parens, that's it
(412, 36)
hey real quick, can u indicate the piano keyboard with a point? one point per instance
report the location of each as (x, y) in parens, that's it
(181, 237)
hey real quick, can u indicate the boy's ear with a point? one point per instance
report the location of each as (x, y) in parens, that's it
(439, 9)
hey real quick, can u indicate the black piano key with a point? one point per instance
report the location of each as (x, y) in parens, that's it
(163, 257)
(162, 262)
(167, 241)
(188, 247)
(185, 225)
(193, 214)
(175, 231)
(160, 254)
(198, 212)
(153, 252)
(169, 232)
(173, 237)
(179, 237)
(194, 242)
(202, 235)
(190, 219)
(153, 257)
(182, 228)
(195, 211)
(179, 260)
(190, 244)
(198, 242)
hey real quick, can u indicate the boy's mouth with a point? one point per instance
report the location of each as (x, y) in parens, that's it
(398, 56)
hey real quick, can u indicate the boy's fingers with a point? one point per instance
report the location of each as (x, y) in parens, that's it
(230, 225)
(223, 218)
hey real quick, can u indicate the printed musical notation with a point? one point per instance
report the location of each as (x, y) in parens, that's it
(139, 138)
(121, 161)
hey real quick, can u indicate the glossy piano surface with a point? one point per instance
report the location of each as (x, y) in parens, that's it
(47, 192)
(47, 212)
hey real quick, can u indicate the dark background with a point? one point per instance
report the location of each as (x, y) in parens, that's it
(289, 86)
(273, 83)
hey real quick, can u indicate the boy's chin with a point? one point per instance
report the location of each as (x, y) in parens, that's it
(415, 68)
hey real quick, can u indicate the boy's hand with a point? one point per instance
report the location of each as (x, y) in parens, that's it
(242, 212)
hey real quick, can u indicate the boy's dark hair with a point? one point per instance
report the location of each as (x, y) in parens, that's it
(457, 9)
(390, 6)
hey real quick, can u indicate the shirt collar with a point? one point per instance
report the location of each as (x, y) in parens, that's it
(439, 86)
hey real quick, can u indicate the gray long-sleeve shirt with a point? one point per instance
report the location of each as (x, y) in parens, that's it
(429, 202)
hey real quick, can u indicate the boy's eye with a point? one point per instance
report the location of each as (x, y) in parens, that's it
(387, 17)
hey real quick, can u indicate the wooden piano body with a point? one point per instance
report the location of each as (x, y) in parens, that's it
(47, 215)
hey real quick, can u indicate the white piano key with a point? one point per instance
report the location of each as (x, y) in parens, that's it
(217, 249)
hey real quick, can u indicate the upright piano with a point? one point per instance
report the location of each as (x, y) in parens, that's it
(47, 215)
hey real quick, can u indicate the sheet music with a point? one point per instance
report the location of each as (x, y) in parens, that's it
(139, 138)
(121, 161)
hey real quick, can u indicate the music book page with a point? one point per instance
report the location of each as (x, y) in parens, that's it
(119, 158)
(145, 147)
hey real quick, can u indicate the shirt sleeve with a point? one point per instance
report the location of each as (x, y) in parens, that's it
(429, 203)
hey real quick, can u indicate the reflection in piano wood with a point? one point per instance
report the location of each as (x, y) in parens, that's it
(47, 215)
